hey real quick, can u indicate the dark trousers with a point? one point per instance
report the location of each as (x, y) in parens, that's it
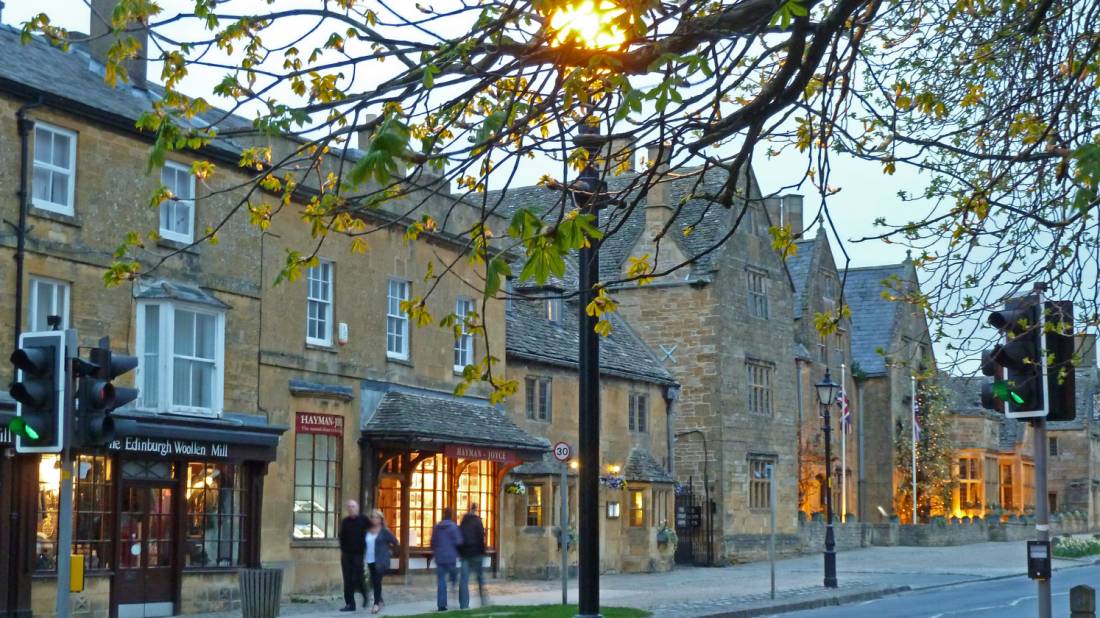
(376, 573)
(352, 567)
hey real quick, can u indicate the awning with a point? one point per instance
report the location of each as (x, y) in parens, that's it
(235, 437)
(461, 427)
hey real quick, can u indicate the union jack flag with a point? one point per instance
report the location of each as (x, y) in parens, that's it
(845, 411)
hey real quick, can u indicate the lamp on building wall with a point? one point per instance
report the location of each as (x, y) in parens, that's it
(826, 397)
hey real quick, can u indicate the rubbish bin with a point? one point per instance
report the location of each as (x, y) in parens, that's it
(260, 592)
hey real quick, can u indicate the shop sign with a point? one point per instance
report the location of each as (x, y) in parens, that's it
(313, 422)
(170, 448)
(496, 455)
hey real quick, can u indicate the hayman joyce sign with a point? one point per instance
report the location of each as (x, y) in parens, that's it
(498, 455)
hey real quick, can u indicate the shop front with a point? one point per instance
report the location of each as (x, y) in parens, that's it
(163, 517)
(424, 452)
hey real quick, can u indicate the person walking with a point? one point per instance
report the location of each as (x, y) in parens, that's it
(446, 539)
(353, 544)
(380, 544)
(473, 557)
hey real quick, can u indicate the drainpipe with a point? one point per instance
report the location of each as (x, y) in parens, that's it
(672, 394)
(860, 486)
(24, 127)
(798, 431)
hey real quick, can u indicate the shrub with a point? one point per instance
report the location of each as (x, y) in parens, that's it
(1076, 547)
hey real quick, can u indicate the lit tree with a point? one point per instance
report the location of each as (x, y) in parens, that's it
(994, 100)
(935, 457)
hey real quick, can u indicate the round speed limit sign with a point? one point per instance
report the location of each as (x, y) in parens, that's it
(562, 451)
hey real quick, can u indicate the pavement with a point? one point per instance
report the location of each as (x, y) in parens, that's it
(865, 575)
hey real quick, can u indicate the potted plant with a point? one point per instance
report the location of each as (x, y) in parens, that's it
(515, 487)
(613, 481)
(667, 536)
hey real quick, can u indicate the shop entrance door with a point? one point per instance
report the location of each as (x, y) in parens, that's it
(147, 542)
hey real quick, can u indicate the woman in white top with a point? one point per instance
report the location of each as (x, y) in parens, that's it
(381, 543)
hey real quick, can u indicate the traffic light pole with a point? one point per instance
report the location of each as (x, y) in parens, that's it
(1042, 507)
(65, 503)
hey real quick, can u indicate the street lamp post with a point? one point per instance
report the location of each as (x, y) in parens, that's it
(826, 393)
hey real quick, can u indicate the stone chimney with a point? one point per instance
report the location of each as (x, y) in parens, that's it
(102, 39)
(1086, 348)
(620, 152)
(790, 213)
(363, 135)
(657, 198)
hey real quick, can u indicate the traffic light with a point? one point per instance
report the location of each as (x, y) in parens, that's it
(39, 390)
(1017, 364)
(1061, 385)
(98, 397)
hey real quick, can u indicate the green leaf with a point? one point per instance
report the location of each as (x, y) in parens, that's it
(494, 272)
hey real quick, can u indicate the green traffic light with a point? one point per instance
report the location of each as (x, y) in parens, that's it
(20, 427)
(1004, 393)
(1018, 399)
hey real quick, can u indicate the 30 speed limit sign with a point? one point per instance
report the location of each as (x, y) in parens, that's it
(562, 451)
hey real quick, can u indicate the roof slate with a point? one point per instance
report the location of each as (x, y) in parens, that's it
(439, 418)
(874, 318)
(642, 466)
(799, 266)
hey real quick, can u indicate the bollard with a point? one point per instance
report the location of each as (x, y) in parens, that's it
(1082, 602)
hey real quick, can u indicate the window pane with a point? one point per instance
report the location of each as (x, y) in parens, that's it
(59, 189)
(184, 333)
(204, 327)
(61, 150)
(43, 145)
(181, 382)
(40, 186)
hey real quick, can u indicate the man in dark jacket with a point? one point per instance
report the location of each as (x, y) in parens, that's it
(353, 544)
(473, 557)
(446, 539)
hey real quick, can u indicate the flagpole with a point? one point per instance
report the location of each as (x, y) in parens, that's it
(913, 411)
(844, 421)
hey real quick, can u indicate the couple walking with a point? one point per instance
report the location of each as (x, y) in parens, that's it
(450, 542)
(364, 542)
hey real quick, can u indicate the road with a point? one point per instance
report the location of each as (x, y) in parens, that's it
(1000, 598)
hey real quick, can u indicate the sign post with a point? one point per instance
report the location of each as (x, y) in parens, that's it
(562, 453)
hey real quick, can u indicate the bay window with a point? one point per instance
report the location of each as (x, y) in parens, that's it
(180, 358)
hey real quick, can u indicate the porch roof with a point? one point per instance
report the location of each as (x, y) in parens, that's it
(438, 420)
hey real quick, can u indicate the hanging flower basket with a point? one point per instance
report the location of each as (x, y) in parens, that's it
(613, 482)
(515, 487)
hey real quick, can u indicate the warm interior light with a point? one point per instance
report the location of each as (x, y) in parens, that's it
(49, 473)
(591, 23)
(614, 469)
(573, 464)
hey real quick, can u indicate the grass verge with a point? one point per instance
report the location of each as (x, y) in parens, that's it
(539, 611)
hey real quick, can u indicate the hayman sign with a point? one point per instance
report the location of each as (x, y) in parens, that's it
(313, 422)
(498, 455)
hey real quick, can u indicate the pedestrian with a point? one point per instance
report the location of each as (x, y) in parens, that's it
(353, 544)
(473, 557)
(380, 544)
(446, 539)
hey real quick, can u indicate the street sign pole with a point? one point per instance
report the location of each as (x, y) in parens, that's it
(1042, 507)
(562, 452)
(771, 537)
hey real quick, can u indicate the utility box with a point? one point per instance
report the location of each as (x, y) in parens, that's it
(1038, 559)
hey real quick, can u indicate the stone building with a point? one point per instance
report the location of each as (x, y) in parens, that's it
(890, 345)
(635, 438)
(818, 292)
(723, 327)
(263, 407)
(1073, 447)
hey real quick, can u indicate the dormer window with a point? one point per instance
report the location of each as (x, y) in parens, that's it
(553, 309)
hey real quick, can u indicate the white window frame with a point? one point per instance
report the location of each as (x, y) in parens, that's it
(166, 356)
(397, 318)
(327, 269)
(464, 343)
(553, 309)
(61, 287)
(172, 234)
(64, 209)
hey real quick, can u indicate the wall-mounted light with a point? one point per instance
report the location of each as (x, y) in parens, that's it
(612, 510)
(574, 464)
(615, 468)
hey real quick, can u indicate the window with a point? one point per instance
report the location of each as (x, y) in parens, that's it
(1007, 501)
(748, 221)
(92, 508)
(1052, 445)
(970, 483)
(181, 358)
(1028, 492)
(54, 169)
(553, 309)
(538, 398)
(319, 304)
(397, 323)
(760, 482)
(637, 508)
(216, 515)
(317, 466)
(534, 505)
(477, 484)
(48, 297)
(828, 286)
(838, 349)
(760, 388)
(638, 415)
(464, 341)
(822, 350)
(1052, 501)
(177, 214)
(429, 494)
(758, 294)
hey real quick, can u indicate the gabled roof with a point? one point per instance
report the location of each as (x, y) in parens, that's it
(800, 265)
(641, 466)
(708, 222)
(426, 417)
(874, 318)
(530, 335)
